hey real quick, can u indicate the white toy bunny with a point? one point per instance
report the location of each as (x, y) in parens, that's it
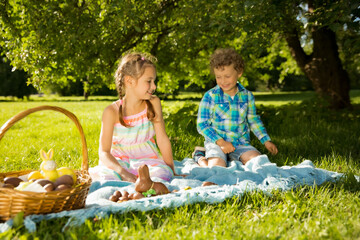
(48, 166)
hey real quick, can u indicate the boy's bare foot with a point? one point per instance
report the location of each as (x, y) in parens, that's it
(199, 156)
(203, 162)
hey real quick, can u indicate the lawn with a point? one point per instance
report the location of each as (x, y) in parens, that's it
(300, 129)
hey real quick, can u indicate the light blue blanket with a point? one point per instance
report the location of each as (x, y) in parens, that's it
(258, 174)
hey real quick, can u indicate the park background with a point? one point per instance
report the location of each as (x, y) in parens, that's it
(302, 63)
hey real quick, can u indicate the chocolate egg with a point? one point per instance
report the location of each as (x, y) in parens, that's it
(49, 187)
(43, 182)
(117, 193)
(15, 181)
(125, 194)
(64, 180)
(7, 185)
(113, 198)
(138, 195)
(123, 199)
(62, 187)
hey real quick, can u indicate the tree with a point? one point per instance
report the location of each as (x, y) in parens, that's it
(315, 23)
(61, 41)
(257, 28)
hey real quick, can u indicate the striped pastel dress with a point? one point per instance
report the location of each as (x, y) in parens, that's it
(132, 147)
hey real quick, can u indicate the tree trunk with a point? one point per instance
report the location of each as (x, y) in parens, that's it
(86, 88)
(323, 67)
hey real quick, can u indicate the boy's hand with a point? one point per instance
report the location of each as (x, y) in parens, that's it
(225, 146)
(271, 147)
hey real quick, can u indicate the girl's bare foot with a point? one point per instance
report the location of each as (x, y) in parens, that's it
(208, 184)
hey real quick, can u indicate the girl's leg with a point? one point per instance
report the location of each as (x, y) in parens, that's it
(164, 172)
(157, 168)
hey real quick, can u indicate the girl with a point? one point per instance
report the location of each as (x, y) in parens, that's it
(129, 125)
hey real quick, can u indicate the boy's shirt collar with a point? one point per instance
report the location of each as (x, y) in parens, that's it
(218, 89)
(222, 97)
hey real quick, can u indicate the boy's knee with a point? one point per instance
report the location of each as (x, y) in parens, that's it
(215, 161)
(247, 156)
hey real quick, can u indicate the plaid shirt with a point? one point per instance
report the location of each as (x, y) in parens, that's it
(220, 116)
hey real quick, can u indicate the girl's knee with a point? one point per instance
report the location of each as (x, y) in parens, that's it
(162, 172)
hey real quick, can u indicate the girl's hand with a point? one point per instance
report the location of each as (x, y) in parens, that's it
(225, 146)
(175, 174)
(128, 177)
(271, 147)
(180, 175)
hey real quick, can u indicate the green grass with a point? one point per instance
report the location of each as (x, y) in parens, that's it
(301, 131)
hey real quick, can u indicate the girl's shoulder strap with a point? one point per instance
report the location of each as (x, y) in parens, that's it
(117, 103)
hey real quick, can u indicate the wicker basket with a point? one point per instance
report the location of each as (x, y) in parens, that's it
(13, 201)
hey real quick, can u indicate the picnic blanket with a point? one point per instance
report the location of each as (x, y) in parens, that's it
(259, 174)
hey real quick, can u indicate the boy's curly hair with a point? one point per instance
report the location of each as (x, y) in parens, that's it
(225, 57)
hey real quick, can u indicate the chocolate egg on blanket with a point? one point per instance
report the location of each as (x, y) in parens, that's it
(123, 199)
(131, 195)
(138, 195)
(125, 194)
(113, 198)
(117, 193)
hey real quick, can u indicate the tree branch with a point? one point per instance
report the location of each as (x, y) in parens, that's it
(296, 50)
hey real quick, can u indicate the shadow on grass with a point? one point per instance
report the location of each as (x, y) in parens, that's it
(300, 131)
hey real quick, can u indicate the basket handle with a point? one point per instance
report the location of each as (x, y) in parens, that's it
(21, 115)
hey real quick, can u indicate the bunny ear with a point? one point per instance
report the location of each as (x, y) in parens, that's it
(50, 154)
(43, 154)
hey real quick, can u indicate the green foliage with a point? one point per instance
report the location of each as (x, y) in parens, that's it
(67, 41)
(64, 41)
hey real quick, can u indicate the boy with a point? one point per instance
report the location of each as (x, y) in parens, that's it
(227, 113)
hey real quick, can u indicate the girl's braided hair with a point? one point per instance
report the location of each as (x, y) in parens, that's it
(133, 64)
